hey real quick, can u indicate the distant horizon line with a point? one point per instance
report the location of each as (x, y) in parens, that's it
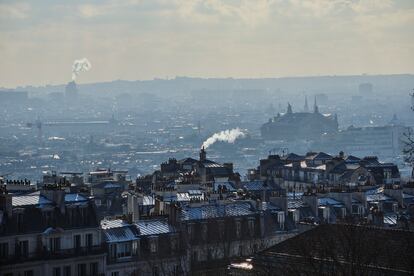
(206, 78)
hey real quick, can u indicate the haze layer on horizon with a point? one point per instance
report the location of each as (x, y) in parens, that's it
(145, 39)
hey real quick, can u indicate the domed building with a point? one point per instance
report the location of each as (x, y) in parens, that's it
(299, 125)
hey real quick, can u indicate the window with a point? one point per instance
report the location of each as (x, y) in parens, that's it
(155, 271)
(93, 269)
(113, 251)
(195, 256)
(204, 230)
(209, 254)
(67, 271)
(135, 248)
(81, 269)
(222, 229)
(238, 228)
(56, 271)
(89, 240)
(124, 249)
(54, 244)
(23, 249)
(153, 245)
(190, 231)
(28, 273)
(251, 226)
(19, 222)
(4, 250)
(177, 270)
(77, 241)
(174, 243)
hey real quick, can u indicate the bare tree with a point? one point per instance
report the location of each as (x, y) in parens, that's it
(340, 250)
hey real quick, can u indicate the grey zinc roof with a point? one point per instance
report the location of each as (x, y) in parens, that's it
(148, 200)
(154, 227)
(325, 201)
(378, 197)
(74, 198)
(121, 234)
(227, 184)
(183, 197)
(30, 199)
(268, 206)
(115, 223)
(390, 219)
(257, 185)
(295, 204)
(216, 211)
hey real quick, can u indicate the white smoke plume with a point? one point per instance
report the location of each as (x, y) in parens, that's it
(80, 65)
(229, 136)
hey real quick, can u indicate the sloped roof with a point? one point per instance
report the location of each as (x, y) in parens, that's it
(328, 201)
(217, 210)
(293, 157)
(154, 227)
(321, 156)
(74, 198)
(121, 234)
(30, 199)
(228, 184)
(188, 160)
(256, 185)
(352, 159)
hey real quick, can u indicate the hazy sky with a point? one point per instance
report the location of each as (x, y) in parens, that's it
(145, 39)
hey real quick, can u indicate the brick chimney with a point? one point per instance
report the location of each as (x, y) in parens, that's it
(203, 155)
(55, 194)
(5, 201)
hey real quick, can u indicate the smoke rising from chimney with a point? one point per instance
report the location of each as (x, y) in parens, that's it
(229, 136)
(80, 65)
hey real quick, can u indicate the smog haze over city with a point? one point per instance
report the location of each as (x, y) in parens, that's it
(215, 137)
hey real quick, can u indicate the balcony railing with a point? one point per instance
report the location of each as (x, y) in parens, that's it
(44, 254)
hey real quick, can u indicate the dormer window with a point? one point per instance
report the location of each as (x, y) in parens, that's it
(238, 227)
(174, 243)
(251, 226)
(204, 231)
(123, 250)
(54, 244)
(22, 249)
(153, 245)
(221, 228)
(190, 231)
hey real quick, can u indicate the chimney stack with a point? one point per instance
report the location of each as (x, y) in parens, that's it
(5, 201)
(203, 155)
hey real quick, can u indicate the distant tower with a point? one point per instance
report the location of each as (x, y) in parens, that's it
(315, 107)
(306, 108)
(289, 109)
